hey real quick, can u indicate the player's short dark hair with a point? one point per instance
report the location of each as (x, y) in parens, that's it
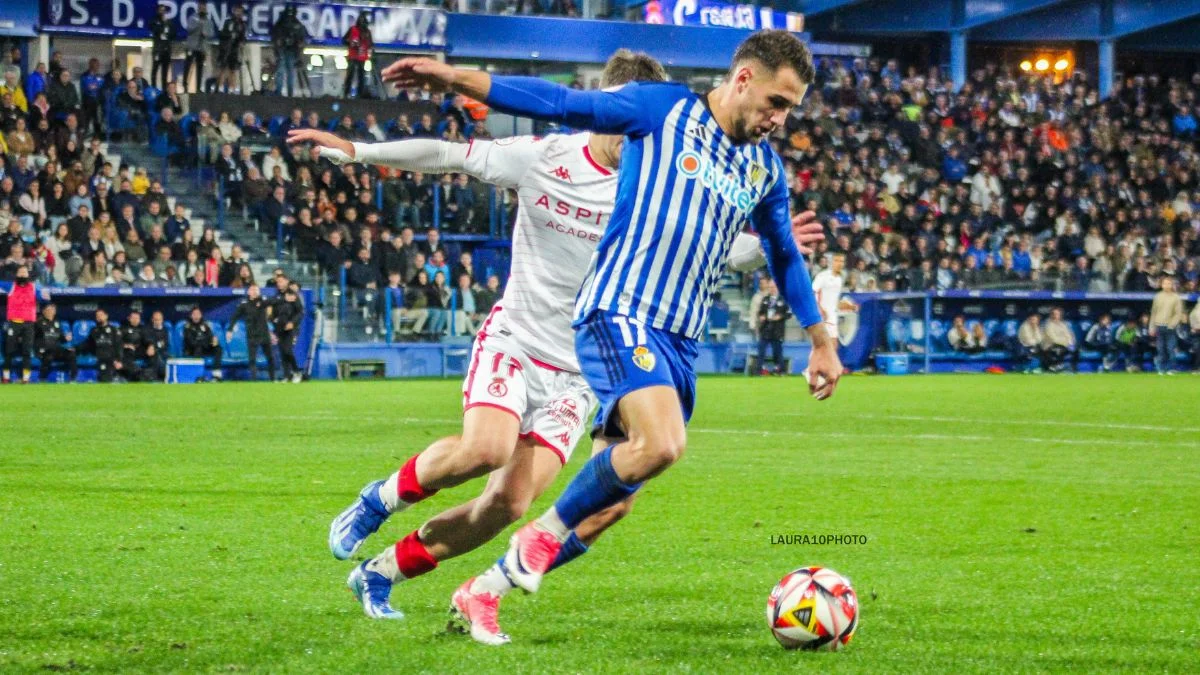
(629, 66)
(777, 49)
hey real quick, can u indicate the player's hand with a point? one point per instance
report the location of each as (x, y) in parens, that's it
(228, 336)
(806, 230)
(824, 369)
(419, 71)
(336, 150)
(274, 339)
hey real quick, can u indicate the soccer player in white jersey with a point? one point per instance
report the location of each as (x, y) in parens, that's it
(696, 169)
(828, 287)
(523, 394)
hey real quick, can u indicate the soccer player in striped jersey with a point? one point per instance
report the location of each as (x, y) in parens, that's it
(525, 403)
(696, 169)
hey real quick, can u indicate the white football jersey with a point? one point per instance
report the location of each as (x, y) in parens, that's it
(564, 199)
(828, 288)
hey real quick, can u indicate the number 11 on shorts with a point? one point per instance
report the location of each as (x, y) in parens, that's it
(627, 335)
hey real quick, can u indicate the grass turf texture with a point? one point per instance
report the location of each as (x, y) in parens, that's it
(1012, 523)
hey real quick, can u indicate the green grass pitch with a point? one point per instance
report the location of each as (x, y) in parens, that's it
(1013, 523)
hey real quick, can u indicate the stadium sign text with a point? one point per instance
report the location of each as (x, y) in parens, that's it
(392, 27)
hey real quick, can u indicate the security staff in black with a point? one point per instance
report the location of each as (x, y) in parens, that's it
(133, 349)
(162, 34)
(52, 345)
(288, 312)
(104, 342)
(200, 342)
(255, 311)
(773, 314)
(158, 344)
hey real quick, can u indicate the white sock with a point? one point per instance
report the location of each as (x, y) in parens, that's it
(389, 494)
(385, 564)
(493, 581)
(554, 525)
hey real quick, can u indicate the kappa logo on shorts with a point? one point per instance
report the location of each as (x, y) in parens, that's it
(642, 358)
(497, 388)
(565, 439)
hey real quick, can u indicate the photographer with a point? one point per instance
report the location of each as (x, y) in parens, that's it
(104, 342)
(288, 312)
(288, 37)
(229, 50)
(773, 313)
(255, 311)
(51, 344)
(18, 334)
(199, 341)
(162, 35)
(359, 45)
(200, 30)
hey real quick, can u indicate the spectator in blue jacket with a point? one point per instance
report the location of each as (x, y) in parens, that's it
(1184, 123)
(35, 83)
(953, 167)
(92, 86)
(1102, 338)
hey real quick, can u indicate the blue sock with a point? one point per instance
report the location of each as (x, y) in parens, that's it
(595, 488)
(571, 549)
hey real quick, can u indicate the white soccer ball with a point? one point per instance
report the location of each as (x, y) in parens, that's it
(818, 383)
(813, 608)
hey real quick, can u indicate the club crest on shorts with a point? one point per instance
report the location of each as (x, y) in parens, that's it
(497, 388)
(642, 358)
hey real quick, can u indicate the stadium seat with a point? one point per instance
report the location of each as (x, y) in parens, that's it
(718, 322)
(176, 335)
(898, 335)
(937, 335)
(173, 345)
(151, 95)
(79, 335)
(81, 331)
(275, 126)
(237, 352)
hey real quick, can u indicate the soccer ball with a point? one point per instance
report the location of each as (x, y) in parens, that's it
(813, 608)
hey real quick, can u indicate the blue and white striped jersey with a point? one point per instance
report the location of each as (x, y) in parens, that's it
(684, 193)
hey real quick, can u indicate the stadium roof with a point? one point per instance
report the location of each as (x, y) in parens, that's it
(1159, 24)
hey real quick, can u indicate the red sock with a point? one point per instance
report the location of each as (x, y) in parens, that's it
(410, 490)
(412, 558)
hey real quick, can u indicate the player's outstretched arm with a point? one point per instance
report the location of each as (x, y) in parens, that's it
(501, 163)
(774, 224)
(625, 111)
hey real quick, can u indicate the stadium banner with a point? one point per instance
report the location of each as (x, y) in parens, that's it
(218, 304)
(716, 13)
(393, 27)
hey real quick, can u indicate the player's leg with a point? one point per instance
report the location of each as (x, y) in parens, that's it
(509, 492)
(26, 333)
(458, 530)
(45, 357)
(494, 396)
(654, 401)
(272, 369)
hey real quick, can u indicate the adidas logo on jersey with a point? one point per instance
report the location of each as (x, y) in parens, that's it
(731, 189)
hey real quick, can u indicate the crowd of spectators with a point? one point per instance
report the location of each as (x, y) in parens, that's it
(358, 223)
(72, 217)
(1015, 180)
